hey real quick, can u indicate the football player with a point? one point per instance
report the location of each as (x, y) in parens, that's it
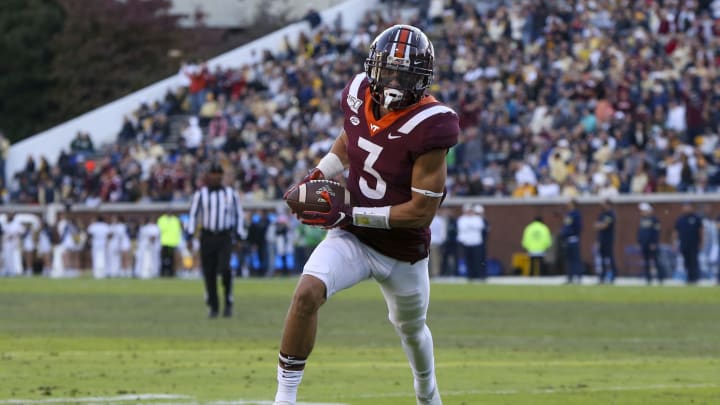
(394, 141)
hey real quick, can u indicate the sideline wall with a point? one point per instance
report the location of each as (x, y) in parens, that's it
(508, 217)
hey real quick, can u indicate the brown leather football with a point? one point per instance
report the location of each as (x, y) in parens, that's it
(306, 197)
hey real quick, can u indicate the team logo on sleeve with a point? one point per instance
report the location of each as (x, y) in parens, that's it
(354, 103)
(355, 120)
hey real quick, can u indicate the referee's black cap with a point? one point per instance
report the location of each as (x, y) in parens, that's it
(215, 167)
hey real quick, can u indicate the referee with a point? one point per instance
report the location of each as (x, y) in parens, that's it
(218, 213)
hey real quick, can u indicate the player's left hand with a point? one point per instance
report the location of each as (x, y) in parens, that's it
(340, 214)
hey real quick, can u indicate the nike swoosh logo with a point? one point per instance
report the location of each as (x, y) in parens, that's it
(342, 216)
(391, 136)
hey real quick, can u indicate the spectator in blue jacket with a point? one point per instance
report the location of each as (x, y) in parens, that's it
(605, 227)
(688, 233)
(648, 238)
(570, 234)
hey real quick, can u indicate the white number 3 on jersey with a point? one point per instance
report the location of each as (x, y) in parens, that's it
(373, 154)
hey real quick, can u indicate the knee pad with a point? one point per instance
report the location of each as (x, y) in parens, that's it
(408, 317)
(411, 331)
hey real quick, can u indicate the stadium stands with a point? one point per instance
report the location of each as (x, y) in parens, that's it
(607, 98)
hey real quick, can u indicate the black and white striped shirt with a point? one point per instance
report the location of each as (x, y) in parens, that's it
(216, 210)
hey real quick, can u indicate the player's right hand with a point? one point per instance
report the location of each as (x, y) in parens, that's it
(314, 174)
(340, 214)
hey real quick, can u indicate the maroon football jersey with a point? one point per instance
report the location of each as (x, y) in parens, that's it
(382, 153)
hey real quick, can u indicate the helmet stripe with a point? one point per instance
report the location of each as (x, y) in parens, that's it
(393, 49)
(402, 41)
(407, 48)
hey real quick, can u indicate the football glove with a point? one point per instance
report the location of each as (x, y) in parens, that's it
(340, 214)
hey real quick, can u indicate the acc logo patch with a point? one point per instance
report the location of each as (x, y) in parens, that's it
(355, 120)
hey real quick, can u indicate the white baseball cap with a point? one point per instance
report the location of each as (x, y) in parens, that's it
(645, 207)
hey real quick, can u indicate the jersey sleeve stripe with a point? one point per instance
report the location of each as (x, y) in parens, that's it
(422, 116)
(355, 85)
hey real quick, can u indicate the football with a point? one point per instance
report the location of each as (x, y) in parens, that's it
(306, 197)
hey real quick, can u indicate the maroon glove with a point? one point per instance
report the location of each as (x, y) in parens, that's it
(314, 174)
(340, 214)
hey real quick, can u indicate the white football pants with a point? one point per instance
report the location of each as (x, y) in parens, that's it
(341, 261)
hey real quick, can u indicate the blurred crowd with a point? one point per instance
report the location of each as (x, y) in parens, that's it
(148, 246)
(276, 244)
(556, 98)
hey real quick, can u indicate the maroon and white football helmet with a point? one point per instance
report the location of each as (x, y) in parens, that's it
(400, 66)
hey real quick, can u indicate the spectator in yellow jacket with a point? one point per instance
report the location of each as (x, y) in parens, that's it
(170, 238)
(537, 239)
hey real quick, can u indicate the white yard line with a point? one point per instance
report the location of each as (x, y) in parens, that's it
(247, 402)
(152, 399)
(540, 391)
(118, 398)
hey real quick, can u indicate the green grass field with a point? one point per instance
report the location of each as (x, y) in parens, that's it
(118, 341)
